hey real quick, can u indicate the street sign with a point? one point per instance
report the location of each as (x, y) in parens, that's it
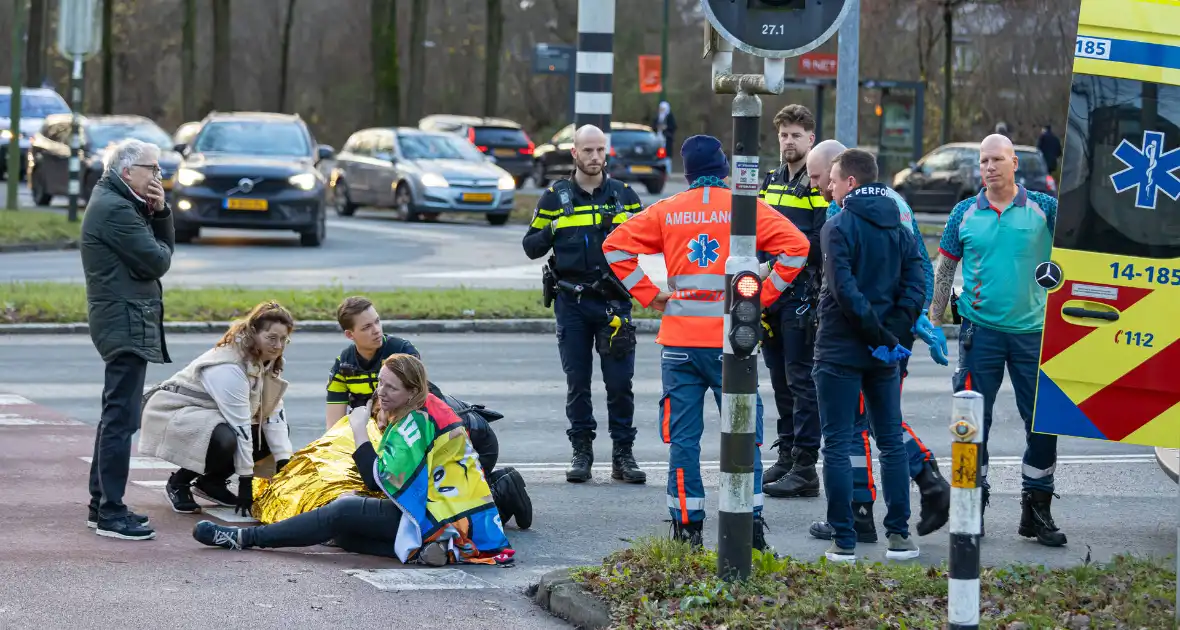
(650, 69)
(815, 64)
(79, 28)
(553, 59)
(776, 28)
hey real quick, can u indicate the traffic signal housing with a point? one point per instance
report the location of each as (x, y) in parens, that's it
(744, 308)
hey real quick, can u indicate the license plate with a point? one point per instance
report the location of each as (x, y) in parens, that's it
(504, 152)
(477, 197)
(234, 203)
(640, 169)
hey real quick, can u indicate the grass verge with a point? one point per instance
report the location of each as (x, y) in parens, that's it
(660, 583)
(30, 226)
(52, 302)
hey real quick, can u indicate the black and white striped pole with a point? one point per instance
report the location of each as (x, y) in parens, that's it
(595, 65)
(75, 163)
(966, 518)
(773, 30)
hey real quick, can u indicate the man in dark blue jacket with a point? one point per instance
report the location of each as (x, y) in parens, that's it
(873, 291)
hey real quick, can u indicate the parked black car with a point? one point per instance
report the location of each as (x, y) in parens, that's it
(502, 139)
(49, 152)
(950, 174)
(637, 154)
(252, 170)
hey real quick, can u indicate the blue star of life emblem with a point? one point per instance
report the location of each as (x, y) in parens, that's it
(703, 250)
(1149, 169)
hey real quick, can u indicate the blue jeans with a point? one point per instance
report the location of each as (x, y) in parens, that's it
(838, 388)
(577, 323)
(688, 374)
(864, 490)
(788, 354)
(983, 353)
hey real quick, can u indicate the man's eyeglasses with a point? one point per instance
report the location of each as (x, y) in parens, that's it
(154, 168)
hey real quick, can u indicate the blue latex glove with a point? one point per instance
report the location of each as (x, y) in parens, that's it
(881, 353)
(898, 353)
(934, 337)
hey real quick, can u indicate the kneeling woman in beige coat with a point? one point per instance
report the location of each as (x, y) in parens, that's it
(222, 413)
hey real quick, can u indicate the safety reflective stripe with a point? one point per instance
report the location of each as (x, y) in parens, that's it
(691, 503)
(633, 278)
(582, 216)
(699, 281)
(779, 283)
(864, 436)
(682, 495)
(795, 262)
(694, 308)
(619, 255)
(1036, 473)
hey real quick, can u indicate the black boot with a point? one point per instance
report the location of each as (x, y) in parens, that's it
(862, 523)
(623, 466)
(692, 533)
(802, 481)
(180, 492)
(782, 466)
(936, 498)
(759, 540)
(1036, 521)
(583, 459)
(512, 500)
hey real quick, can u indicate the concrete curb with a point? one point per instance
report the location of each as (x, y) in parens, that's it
(404, 326)
(1169, 461)
(562, 597)
(52, 246)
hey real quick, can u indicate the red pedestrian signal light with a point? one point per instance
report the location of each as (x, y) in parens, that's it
(744, 312)
(748, 286)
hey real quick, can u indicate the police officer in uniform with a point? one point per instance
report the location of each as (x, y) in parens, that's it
(593, 309)
(792, 320)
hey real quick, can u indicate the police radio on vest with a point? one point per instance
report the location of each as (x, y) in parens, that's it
(776, 28)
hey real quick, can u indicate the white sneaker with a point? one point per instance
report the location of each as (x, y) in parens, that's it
(901, 548)
(836, 553)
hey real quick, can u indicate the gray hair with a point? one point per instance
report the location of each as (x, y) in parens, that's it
(125, 154)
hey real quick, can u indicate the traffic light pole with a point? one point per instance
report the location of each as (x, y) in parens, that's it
(739, 367)
(739, 373)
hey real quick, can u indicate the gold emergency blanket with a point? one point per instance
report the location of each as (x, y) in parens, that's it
(315, 476)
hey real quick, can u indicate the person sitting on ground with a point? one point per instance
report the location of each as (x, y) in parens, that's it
(223, 413)
(351, 383)
(437, 506)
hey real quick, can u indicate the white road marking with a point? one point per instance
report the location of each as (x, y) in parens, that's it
(414, 579)
(14, 420)
(227, 515)
(143, 463)
(151, 483)
(13, 399)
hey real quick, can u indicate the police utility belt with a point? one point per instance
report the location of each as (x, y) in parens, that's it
(607, 286)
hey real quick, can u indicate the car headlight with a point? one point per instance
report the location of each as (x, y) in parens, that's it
(434, 180)
(189, 177)
(507, 183)
(303, 181)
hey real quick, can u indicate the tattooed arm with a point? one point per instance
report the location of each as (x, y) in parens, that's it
(950, 252)
(944, 282)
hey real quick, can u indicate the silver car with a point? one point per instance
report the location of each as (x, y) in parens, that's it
(419, 173)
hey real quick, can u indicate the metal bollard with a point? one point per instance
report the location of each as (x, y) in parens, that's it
(966, 510)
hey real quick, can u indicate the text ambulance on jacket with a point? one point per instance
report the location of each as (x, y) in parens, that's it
(691, 229)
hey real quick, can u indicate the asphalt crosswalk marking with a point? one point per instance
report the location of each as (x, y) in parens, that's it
(420, 579)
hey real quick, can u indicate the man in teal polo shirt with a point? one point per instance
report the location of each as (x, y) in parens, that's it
(1000, 236)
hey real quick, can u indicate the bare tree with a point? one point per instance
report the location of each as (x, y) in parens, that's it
(386, 69)
(495, 38)
(285, 47)
(188, 61)
(223, 90)
(417, 60)
(108, 59)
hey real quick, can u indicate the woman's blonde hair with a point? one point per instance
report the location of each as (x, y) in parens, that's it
(241, 332)
(410, 370)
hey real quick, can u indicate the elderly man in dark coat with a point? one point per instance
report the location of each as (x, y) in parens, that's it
(127, 243)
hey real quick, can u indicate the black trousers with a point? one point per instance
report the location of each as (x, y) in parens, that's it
(223, 447)
(122, 401)
(357, 524)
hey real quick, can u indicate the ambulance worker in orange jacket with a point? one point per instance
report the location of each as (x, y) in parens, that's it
(691, 229)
